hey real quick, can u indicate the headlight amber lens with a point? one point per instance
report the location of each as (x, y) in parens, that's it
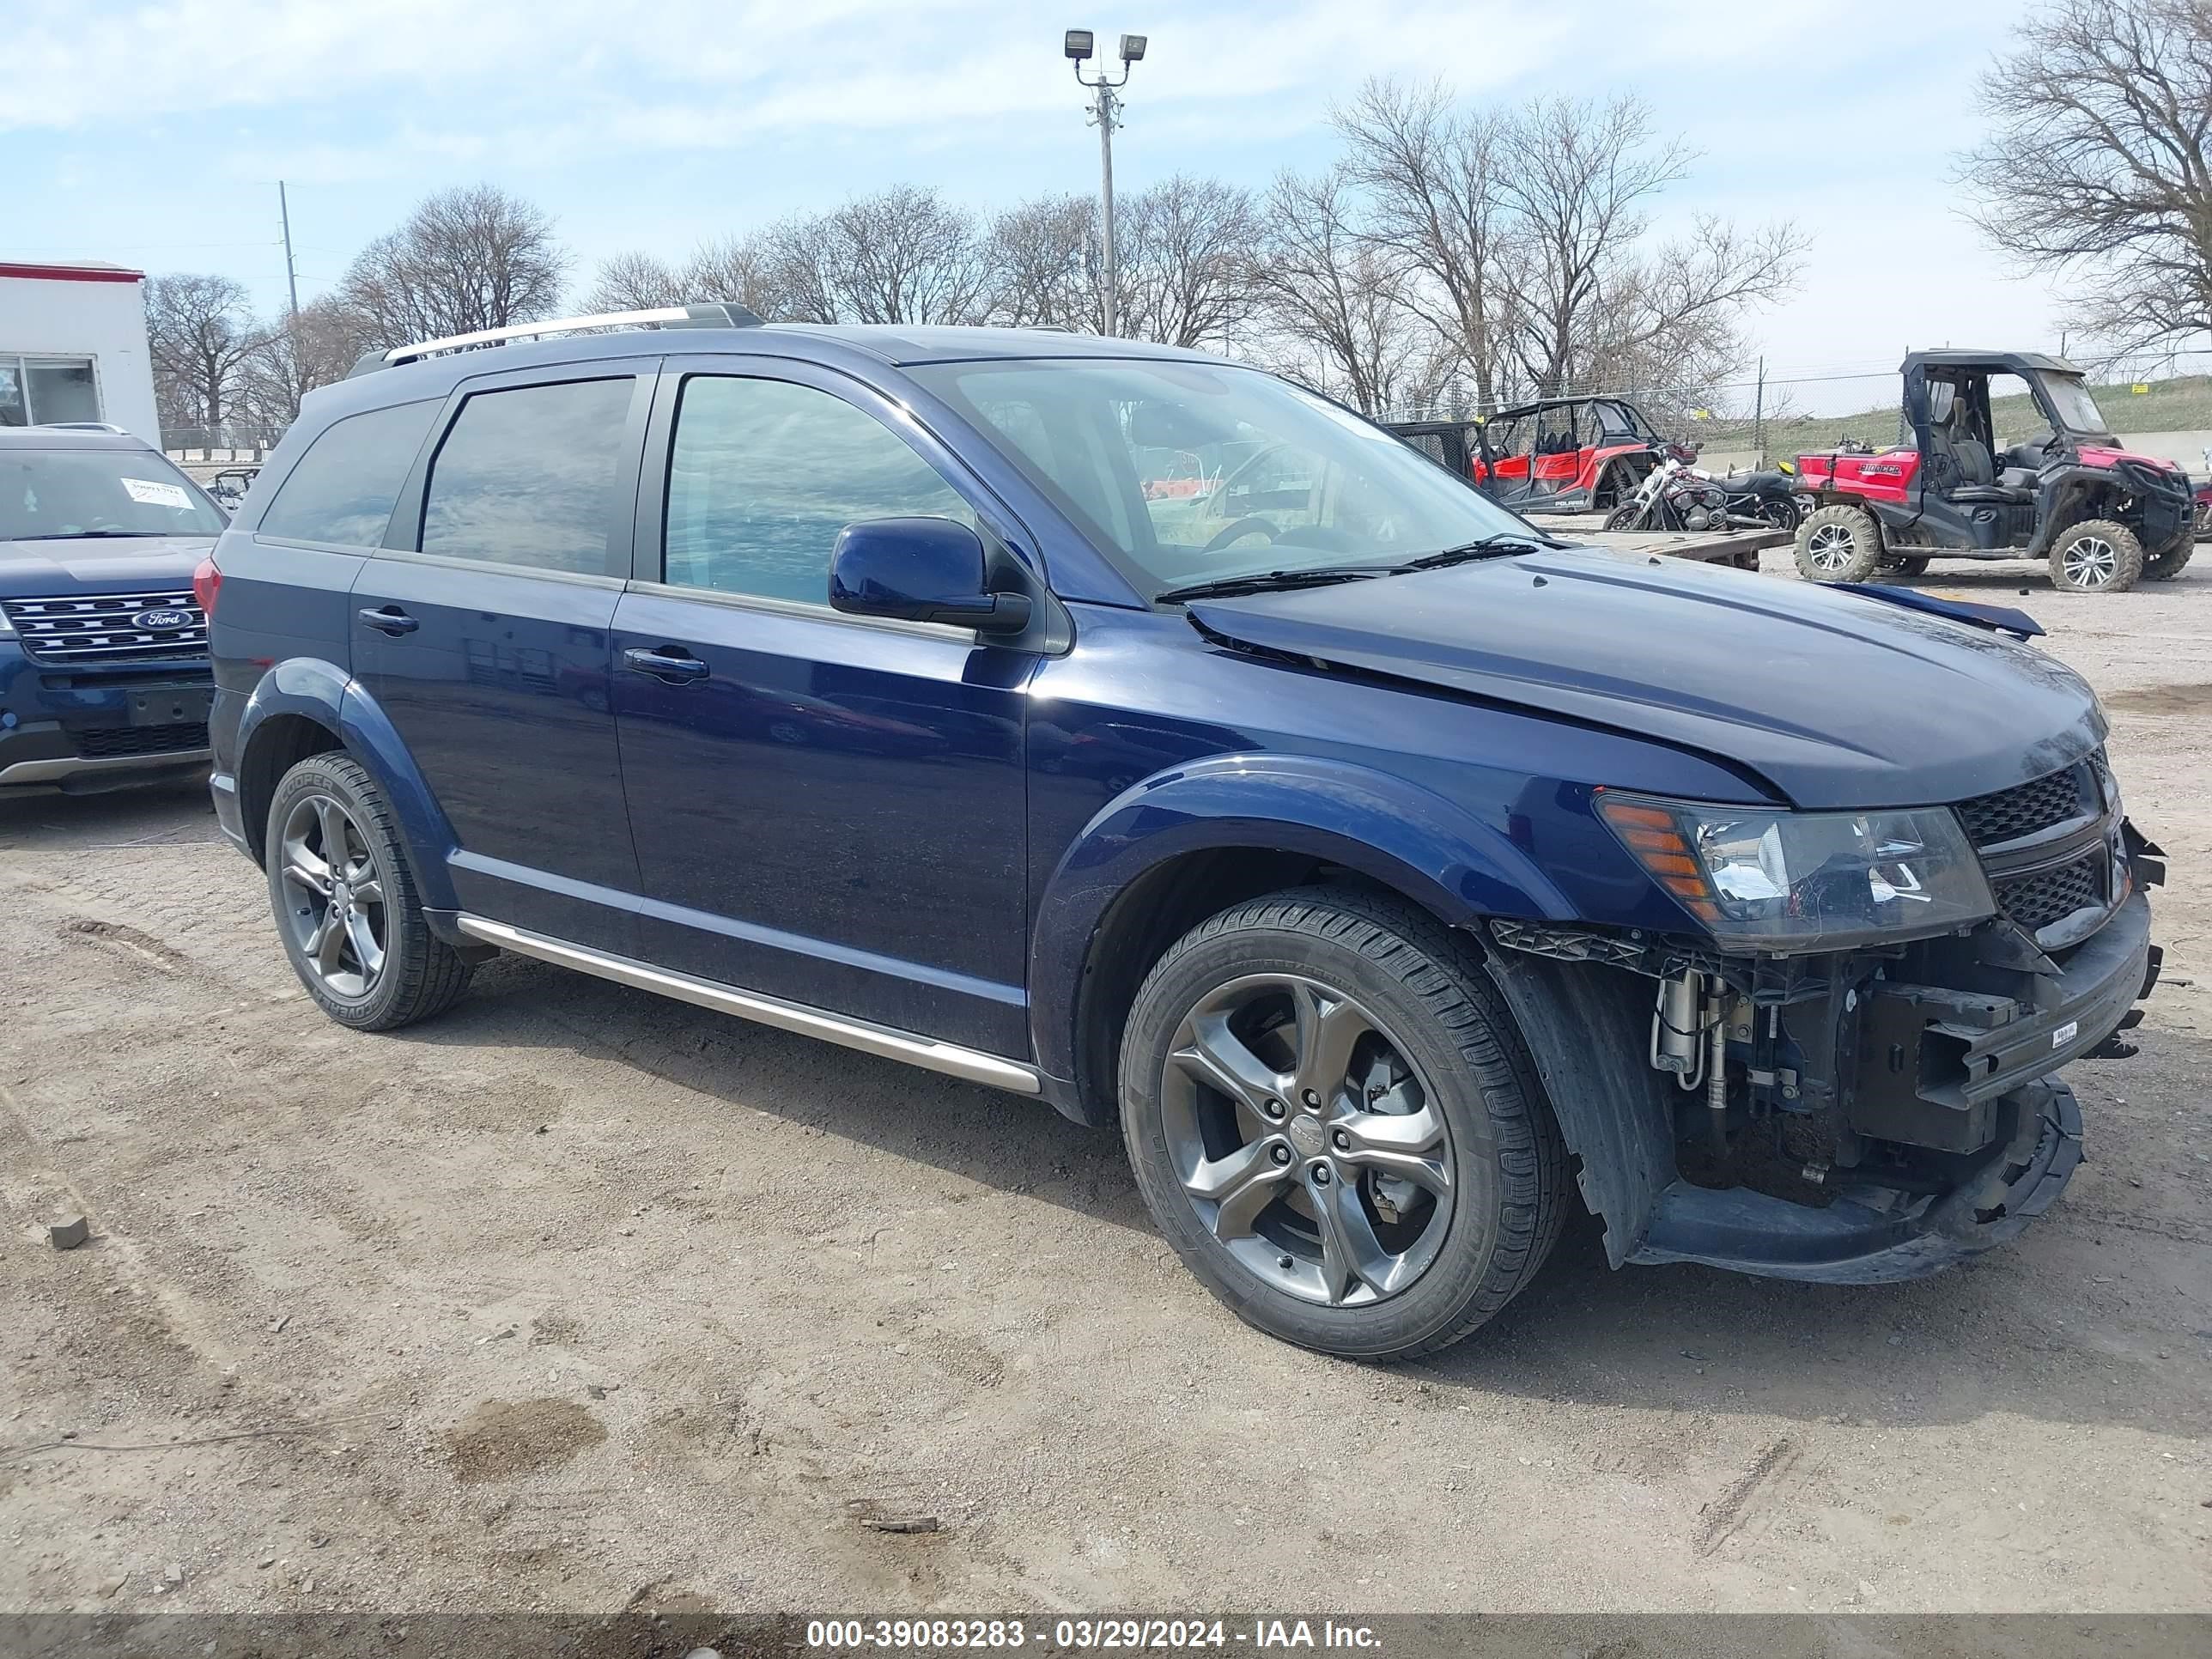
(1761, 879)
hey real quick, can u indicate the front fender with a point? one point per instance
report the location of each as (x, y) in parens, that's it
(325, 694)
(1443, 856)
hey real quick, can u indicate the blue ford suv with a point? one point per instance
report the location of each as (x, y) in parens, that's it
(104, 676)
(1121, 726)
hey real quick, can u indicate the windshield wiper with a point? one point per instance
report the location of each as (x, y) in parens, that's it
(1270, 582)
(1502, 546)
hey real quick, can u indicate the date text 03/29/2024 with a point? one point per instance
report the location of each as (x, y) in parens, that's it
(1086, 1634)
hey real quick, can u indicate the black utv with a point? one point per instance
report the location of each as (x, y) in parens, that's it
(1954, 487)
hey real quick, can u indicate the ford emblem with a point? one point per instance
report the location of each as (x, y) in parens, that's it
(158, 622)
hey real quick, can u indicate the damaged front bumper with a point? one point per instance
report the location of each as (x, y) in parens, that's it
(1914, 1095)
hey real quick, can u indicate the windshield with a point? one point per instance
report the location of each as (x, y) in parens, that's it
(2076, 409)
(1196, 472)
(98, 492)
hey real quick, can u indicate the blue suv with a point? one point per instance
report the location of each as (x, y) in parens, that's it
(104, 678)
(1121, 726)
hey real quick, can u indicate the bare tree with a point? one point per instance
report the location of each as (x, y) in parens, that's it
(1431, 174)
(1335, 303)
(1044, 263)
(1187, 249)
(1583, 289)
(313, 348)
(465, 259)
(2095, 166)
(636, 282)
(745, 269)
(200, 330)
(903, 255)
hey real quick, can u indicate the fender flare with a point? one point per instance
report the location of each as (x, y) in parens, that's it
(325, 693)
(1442, 856)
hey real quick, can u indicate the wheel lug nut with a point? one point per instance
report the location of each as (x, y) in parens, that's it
(1320, 1174)
(1281, 1155)
(1311, 1098)
(1343, 1141)
(1272, 1108)
(1284, 1263)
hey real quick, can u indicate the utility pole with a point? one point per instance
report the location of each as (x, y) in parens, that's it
(1759, 414)
(291, 272)
(1105, 115)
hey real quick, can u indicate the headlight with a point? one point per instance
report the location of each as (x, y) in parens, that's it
(1762, 879)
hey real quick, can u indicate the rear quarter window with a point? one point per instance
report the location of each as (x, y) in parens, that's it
(344, 487)
(530, 475)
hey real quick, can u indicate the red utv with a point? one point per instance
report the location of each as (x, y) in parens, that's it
(2103, 516)
(1558, 455)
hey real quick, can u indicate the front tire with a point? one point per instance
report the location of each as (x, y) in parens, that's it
(1333, 1120)
(1838, 544)
(2096, 556)
(2166, 566)
(346, 904)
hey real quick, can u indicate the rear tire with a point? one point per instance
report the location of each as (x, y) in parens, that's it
(2095, 556)
(1621, 517)
(1838, 544)
(1900, 564)
(346, 904)
(1361, 1041)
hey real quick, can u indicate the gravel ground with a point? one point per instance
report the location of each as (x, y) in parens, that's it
(579, 1299)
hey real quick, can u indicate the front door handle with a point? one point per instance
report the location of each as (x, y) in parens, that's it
(391, 619)
(671, 665)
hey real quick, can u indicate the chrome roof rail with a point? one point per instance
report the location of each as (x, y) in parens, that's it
(718, 314)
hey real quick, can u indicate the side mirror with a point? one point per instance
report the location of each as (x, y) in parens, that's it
(920, 570)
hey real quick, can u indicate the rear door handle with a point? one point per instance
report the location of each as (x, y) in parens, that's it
(671, 665)
(392, 620)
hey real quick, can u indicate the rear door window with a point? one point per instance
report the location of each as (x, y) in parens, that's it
(532, 476)
(343, 490)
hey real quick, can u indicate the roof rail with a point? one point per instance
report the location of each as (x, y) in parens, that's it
(82, 426)
(716, 314)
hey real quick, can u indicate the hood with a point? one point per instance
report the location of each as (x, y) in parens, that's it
(1836, 699)
(51, 569)
(2105, 454)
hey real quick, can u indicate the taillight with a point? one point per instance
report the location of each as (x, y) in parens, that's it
(207, 582)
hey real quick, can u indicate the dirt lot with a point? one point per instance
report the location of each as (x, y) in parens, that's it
(577, 1299)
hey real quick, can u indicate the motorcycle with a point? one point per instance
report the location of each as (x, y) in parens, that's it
(1767, 500)
(1672, 496)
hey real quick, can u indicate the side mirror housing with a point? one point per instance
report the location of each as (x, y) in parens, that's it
(931, 570)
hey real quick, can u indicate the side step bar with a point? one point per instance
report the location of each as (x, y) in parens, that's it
(970, 1065)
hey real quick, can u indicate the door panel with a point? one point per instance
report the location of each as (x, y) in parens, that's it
(489, 648)
(500, 692)
(828, 809)
(832, 815)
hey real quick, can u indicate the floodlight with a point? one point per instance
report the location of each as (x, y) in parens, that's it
(1133, 48)
(1076, 44)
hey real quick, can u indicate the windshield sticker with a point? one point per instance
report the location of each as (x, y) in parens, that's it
(149, 493)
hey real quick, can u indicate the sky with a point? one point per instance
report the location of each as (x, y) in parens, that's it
(153, 135)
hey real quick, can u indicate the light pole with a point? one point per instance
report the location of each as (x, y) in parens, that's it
(1103, 115)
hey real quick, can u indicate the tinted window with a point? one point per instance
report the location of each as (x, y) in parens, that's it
(529, 476)
(343, 486)
(763, 476)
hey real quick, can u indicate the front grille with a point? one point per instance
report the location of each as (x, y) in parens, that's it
(107, 627)
(2036, 901)
(114, 741)
(2027, 808)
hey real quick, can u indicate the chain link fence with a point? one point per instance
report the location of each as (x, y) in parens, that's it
(228, 442)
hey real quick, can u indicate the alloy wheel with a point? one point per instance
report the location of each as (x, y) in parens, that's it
(1831, 547)
(2091, 561)
(334, 903)
(1306, 1141)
